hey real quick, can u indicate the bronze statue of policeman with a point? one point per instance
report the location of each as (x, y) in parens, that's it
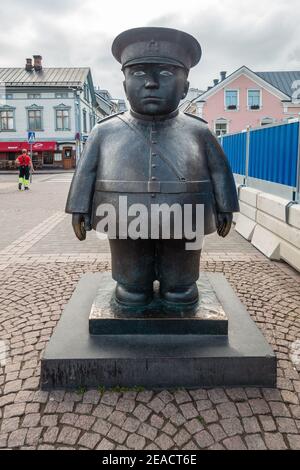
(154, 154)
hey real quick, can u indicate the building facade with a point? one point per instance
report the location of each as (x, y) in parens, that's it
(57, 104)
(247, 98)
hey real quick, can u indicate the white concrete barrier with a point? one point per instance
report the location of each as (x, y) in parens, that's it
(271, 223)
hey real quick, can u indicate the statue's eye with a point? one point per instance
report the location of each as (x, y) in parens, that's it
(139, 73)
(166, 73)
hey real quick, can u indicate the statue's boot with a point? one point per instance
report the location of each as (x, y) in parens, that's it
(132, 297)
(181, 295)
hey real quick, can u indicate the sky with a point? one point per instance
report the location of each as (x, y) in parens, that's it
(262, 34)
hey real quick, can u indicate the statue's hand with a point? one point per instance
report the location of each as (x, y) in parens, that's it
(81, 223)
(224, 223)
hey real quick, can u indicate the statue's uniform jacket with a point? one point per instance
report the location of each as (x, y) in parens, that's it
(153, 161)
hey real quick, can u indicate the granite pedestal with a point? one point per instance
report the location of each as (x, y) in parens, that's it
(74, 357)
(107, 317)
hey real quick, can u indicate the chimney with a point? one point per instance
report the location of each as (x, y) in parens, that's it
(223, 76)
(37, 62)
(28, 65)
(216, 81)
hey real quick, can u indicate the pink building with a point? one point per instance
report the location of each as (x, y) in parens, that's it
(247, 98)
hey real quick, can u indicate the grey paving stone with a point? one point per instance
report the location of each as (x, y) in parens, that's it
(193, 426)
(156, 421)
(118, 435)
(181, 438)
(34, 436)
(9, 424)
(188, 410)
(231, 426)
(106, 445)
(102, 411)
(274, 441)
(101, 426)
(164, 442)
(125, 405)
(68, 435)
(117, 417)
(234, 443)
(165, 396)
(169, 429)
(203, 439)
(17, 438)
(286, 425)
(255, 442)
(89, 440)
(136, 442)
(182, 396)
(227, 410)
(50, 435)
(92, 397)
(294, 441)
(251, 425)
(131, 424)
(149, 432)
(85, 422)
(141, 412)
(217, 395)
(217, 432)
(145, 396)
(31, 420)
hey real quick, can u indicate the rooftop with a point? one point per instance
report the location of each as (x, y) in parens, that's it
(54, 76)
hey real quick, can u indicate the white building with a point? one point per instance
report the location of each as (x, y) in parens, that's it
(58, 104)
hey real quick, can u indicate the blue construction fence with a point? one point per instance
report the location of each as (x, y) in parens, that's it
(272, 152)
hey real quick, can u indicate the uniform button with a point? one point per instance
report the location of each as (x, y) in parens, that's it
(153, 165)
(153, 178)
(154, 142)
(154, 154)
(152, 195)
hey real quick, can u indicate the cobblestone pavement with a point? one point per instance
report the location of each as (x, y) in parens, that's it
(216, 418)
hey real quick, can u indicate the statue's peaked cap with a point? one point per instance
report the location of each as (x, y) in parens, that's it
(156, 45)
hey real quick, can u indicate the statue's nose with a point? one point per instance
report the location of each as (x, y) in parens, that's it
(151, 83)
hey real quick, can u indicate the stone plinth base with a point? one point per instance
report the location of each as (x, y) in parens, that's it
(107, 317)
(75, 358)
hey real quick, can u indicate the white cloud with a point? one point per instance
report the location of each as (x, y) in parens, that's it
(262, 34)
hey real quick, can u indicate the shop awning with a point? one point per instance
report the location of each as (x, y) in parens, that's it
(36, 147)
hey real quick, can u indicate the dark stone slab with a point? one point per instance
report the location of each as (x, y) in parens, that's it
(107, 317)
(75, 358)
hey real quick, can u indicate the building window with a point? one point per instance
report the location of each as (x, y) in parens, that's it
(221, 127)
(62, 119)
(84, 120)
(35, 119)
(33, 96)
(7, 120)
(91, 121)
(63, 94)
(231, 99)
(86, 92)
(254, 99)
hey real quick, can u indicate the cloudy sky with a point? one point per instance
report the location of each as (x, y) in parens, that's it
(262, 34)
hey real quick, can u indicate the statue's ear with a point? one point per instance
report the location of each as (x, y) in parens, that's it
(186, 89)
(124, 86)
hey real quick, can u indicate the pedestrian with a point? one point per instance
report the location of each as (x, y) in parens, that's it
(24, 164)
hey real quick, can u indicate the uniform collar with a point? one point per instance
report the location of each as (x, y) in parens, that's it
(146, 117)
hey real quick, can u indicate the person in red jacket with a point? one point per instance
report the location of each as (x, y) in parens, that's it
(24, 164)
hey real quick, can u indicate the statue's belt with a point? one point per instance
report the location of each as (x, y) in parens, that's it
(165, 187)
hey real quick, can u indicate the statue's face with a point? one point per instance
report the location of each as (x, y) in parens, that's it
(155, 89)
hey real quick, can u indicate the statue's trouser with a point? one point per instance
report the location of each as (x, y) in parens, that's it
(137, 263)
